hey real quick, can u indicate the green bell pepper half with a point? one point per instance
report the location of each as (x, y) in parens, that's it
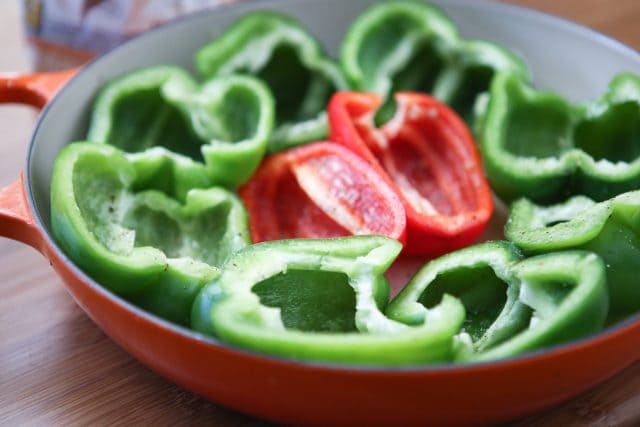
(320, 300)
(276, 49)
(512, 305)
(131, 113)
(217, 132)
(610, 229)
(141, 244)
(412, 46)
(537, 145)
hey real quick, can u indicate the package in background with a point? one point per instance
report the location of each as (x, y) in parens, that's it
(67, 33)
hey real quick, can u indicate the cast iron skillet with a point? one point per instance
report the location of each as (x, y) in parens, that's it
(564, 57)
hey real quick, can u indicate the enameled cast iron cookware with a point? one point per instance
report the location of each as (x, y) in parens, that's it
(569, 59)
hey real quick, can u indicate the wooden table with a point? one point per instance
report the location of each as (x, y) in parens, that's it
(58, 368)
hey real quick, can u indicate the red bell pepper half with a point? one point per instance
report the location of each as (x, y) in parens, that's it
(321, 190)
(429, 155)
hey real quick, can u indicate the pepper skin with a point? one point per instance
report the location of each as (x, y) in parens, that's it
(276, 49)
(161, 110)
(411, 46)
(536, 145)
(141, 244)
(320, 300)
(512, 306)
(610, 229)
(427, 154)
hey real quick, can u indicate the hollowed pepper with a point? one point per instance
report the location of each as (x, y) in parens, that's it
(536, 145)
(427, 154)
(214, 134)
(320, 190)
(512, 305)
(320, 300)
(279, 51)
(610, 229)
(139, 242)
(412, 46)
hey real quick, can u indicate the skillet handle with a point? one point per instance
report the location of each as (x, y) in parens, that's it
(32, 89)
(16, 220)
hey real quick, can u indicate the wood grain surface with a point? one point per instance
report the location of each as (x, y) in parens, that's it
(58, 368)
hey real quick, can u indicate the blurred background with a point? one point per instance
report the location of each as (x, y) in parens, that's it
(65, 33)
